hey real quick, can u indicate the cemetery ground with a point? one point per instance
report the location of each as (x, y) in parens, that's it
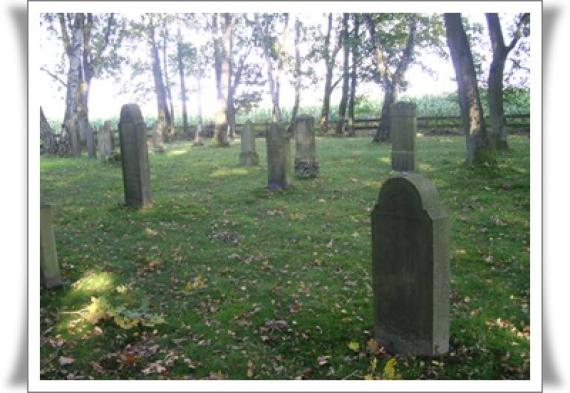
(222, 278)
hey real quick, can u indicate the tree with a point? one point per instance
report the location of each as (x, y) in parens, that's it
(272, 43)
(221, 25)
(479, 147)
(496, 72)
(329, 57)
(47, 136)
(341, 127)
(165, 38)
(354, 44)
(393, 40)
(89, 42)
(180, 51)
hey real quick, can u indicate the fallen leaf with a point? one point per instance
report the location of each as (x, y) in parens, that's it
(65, 360)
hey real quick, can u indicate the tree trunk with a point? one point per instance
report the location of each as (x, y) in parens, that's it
(495, 81)
(328, 79)
(163, 119)
(390, 97)
(167, 82)
(221, 45)
(341, 126)
(183, 99)
(74, 46)
(199, 126)
(353, 76)
(230, 96)
(479, 147)
(297, 76)
(47, 137)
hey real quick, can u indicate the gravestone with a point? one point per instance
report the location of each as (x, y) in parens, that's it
(157, 140)
(105, 141)
(91, 142)
(134, 157)
(410, 267)
(248, 156)
(278, 157)
(403, 134)
(306, 165)
(49, 266)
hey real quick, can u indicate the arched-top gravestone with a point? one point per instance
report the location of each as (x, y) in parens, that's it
(134, 157)
(410, 267)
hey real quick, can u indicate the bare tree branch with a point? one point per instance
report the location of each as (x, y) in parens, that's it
(518, 31)
(54, 76)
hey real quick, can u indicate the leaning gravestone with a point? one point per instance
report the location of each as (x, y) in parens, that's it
(278, 157)
(410, 262)
(248, 156)
(306, 165)
(134, 157)
(403, 134)
(49, 266)
(105, 141)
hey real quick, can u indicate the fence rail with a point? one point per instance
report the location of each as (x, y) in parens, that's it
(367, 126)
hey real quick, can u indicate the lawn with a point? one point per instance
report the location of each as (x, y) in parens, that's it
(224, 279)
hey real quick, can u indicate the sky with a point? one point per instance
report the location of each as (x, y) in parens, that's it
(106, 97)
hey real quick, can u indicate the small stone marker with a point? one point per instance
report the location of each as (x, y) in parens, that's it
(403, 134)
(410, 267)
(105, 141)
(248, 156)
(49, 266)
(278, 157)
(306, 165)
(134, 157)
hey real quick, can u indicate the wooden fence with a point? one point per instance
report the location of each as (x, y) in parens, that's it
(428, 125)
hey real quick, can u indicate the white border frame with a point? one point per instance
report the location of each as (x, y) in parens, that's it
(532, 385)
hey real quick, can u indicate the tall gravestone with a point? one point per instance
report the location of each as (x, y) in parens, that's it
(49, 266)
(403, 134)
(91, 142)
(248, 155)
(410, 261)
(306, 165)
(134, 157)
(278, 157)
(105, 141)
(410, 267)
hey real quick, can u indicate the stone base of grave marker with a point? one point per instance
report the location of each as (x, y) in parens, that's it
(249, 158)
(410, 267)
(49, 266)
(278, 157)
(134, 157)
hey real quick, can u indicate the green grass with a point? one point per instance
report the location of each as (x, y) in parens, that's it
(218, 257)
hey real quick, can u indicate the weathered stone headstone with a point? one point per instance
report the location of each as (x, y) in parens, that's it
(157, 141)
(49, 266)
(91, 142)
(403, 134)
(278, 157)
(248, 155)
(306, 165)
(134, 157)
(105, 141)
(410, 267)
